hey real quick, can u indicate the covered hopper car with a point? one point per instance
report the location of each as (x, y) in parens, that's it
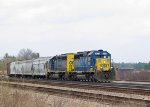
(87, 65)
(28, 68)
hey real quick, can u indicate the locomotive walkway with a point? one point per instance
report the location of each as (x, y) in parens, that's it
(108, 93)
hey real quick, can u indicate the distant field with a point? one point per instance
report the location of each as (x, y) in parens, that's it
(133, 75)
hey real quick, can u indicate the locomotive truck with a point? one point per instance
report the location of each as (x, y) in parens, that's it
(88, 65)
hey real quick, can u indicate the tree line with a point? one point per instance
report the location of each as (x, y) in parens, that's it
(23, 54)
(137, 66)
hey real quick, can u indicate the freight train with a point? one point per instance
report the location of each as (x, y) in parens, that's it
(88, 65)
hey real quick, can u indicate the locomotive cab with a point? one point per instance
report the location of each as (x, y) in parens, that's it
(101, 62)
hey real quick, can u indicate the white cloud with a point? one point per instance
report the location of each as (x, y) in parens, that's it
(54, 27)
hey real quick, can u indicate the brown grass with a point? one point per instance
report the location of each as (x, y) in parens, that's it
(10, 97)
(133, 75)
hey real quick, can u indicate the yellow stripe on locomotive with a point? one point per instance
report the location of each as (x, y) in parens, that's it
(70, 62)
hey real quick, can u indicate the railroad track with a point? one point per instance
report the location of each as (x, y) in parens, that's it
(86, 91)
(110, 87)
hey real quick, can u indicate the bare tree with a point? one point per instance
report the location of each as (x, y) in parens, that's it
(27, 54)
(6, 55)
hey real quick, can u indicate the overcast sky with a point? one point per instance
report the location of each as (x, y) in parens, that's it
(52, 27)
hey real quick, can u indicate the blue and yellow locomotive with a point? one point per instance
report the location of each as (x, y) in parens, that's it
(88, 65)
